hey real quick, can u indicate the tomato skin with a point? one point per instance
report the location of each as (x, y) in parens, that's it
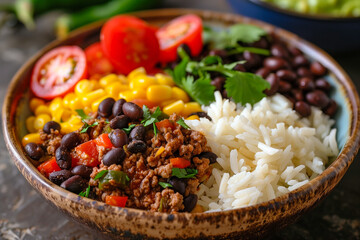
(48, 167)
(142, 102)
(104, 141)
(86, 154)
(129, 43)
(96, 60)
(165, 124)
(116, 201)
(180, 162)
(170, 38)
(54, 85)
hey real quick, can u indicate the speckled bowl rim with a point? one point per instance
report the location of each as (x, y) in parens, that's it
(341, 163)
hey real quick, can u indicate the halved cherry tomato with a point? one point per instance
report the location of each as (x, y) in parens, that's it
(104, 141)
(48, 167)
(129, 43)
(142, 102)
(165, 124)
(180, 162)
(86, 154)
(187, 30)
(96, 60)
(116, 201)
(57, 72)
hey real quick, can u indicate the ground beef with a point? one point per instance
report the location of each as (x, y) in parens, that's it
(51, 141)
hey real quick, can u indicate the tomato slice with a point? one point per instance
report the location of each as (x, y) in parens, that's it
(187, 30)
(104, 141)
(142, 102)
(96, 60)
(116, 201)
(180, 162)
(165, 124)
(86, 154)
(57, 72)
(129, 43)
(48, 167)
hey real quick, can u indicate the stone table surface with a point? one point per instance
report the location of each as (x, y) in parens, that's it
(25, 215)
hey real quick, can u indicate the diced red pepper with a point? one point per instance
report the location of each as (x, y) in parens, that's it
(104, 141)
(86, 154)
(180, 162)
(48, 167)
(116, 201)
(165, 124)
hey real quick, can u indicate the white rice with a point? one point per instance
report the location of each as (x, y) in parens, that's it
(263, 151)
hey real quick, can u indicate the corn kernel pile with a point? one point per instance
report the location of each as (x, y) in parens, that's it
(88, 94)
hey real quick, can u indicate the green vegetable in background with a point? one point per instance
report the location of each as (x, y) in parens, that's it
(120, 178)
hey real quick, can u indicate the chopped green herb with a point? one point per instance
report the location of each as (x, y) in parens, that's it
(107, 122)
(100, 174)
(161, 207)
(87, 126)
(165, 185)
(182, 123)
(86, 192)
(146, 112)
(151, 118)
(184, 172)
(129, 128)
(82, 114)
(119, 177)
(155, 129)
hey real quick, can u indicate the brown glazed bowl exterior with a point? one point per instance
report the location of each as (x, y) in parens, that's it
(126, 223)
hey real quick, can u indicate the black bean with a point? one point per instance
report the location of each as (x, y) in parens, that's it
(262, 43)
(209, 155)
(278, 50)
(318, 69)
(304, 72)
(252, 60)
(240, 68)
(138, 133)
(298, 94)
(303, 108)
(306, 83)
(118, 138)
(218, 83)
(34, 151)
(274, 84)
(114, 156)
(74, 184)
(263, 72)
(82, 170)
(275, 63)
(133, 111)
(287, 75)
(105, 107)
(178, 185)
(119, 122)
(51, 125)
(284, 87)
(331, 108)
(117, 108)
(137, 146)
(322, 84)
(190, 202)
(290, 98)
(294, 51)
(59, 176)
(63, 157)
(201, 115)
(70, 140)
(317, 98)
(224, 93)
(300, 61)
(218, 52)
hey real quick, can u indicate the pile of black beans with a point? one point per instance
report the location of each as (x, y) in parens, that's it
(288, 71)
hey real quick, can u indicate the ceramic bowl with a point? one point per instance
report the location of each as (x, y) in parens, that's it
(334, 34)
(247, 222)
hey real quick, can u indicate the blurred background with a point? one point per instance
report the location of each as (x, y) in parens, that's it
(26, 26)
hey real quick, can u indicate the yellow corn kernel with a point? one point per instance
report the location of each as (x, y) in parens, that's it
(115, 88)
(158, 93)
(40, 121)
(66, 114)
(55, 105)
(197, 209)
(30, 124)
(127, 95)
(35, 102)
(42, 109)
(175, 107)
(159, 151)
(123, 79)
(191, 107)
(95, 105)
(56, 116)
(135, 72)
(87, 110)
(91, 97)
(76, 103)
(139, 93)
(68, 98)
(83, 87)
(74, 119)
(142, 81)
(167, 102)
(65, 128)
(193, 117)
(164, 79)
(179, 94)
(31, 137)
(95, 84)
(108, 79)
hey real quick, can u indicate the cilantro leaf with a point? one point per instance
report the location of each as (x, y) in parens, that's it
(86, 192)
(146, 112)
(245, 87)
(129, 128)
(182, 123)
(200, 90)
(184, 172)
(87, 126)
(155, 129)
(245, 33)
(100, 174)
(165, 185)
(82, 114)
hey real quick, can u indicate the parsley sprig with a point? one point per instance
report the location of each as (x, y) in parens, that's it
(86, 192)
(184, 172)
(165, 185)
(85, 117)
(151, 118)
(182, 123)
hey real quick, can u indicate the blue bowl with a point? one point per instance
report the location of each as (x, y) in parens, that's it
(334, 34)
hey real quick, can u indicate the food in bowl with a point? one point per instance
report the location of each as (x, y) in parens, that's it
(261, 99)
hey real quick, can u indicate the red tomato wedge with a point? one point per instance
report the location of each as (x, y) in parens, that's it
(180, 162)
(187, 30)
(142, 102)
(48, 167)
(57, 72)
(116, 201)
(129, 43)
(104, 141)
(86, 154)
(96, 60)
